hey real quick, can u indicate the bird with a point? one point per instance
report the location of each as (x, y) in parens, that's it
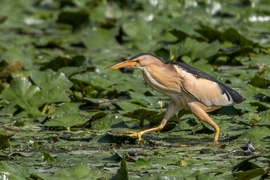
(188, 87)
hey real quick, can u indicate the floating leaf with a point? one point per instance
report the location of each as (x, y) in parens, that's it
(250, 174)
(13, 171)
(141, 163)
(107, 122)
(65, 61)
(54, 95)
(255, 134)
(100, 39)
(50, 80)
(235, 37)
(205, 50)
(82, 172)
(75, 19)
(153, 116)
(210, 33)
(48, 157)
(66, 120)
(21, 92)
(4, 139)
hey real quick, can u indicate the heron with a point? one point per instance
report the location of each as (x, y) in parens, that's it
(188, 87)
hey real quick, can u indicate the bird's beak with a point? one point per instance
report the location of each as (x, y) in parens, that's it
(124, 64)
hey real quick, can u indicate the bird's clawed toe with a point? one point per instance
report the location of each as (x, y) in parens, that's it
(214, 143)
(133, 134)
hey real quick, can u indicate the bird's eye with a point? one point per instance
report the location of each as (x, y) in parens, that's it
(137, 61)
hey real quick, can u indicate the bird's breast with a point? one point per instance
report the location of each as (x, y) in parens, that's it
(162, 83)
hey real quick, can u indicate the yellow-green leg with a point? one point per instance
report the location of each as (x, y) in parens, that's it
(169, 113)
(203, 116)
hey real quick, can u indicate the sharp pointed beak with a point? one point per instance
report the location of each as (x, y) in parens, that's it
(124, 64)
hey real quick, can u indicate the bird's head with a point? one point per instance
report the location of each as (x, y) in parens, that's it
(139, 61)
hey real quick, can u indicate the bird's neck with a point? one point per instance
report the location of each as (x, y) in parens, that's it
(160, 79)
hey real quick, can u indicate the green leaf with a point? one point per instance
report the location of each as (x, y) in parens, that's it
(75, 19)
(100, 39)
(246, 165)
(48, 157)
(13, 171)
(69, 71)
(187, 47)
(66, 120)
(205, 50)
(49, 79)
(107, 122)
(153, 116)
(81, 171)
(4, 139)
(127, 105)
(260, 90)
(249, 174)
(255, 134)
(259, 81)
(61, 61)
(210, 33)
(141, 163)
(21, 92)
(55, 95)
(67, 108)
(139, 98)
(235, 37)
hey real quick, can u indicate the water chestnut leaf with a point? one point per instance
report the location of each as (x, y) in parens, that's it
(81, 171)
(66, 120)
(49, 79)
(4, 139)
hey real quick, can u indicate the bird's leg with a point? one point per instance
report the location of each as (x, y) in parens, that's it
(172, 108)
(203, 116)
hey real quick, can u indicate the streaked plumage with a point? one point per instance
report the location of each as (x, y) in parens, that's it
(188, 87)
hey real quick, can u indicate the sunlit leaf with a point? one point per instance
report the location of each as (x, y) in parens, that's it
(249, 174)
(54, 95)
(50, 80)
(21, 92)
(66, 120)
(100, 39)
(141, 163)
(107, 122)
(48, 157)
(255, 134)
(205, 50)
(13, 171)
(83, 172)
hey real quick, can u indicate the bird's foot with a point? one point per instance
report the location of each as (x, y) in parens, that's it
(133, 134)
(214, 143)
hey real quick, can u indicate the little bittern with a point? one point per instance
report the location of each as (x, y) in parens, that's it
(188, 87)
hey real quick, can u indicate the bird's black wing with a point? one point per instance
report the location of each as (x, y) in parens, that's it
(208, 80)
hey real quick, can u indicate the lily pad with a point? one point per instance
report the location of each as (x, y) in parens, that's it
(21, 92)
(81, 171)
(50, 80)
(4, 139)
(66, 120)
(255, 134)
